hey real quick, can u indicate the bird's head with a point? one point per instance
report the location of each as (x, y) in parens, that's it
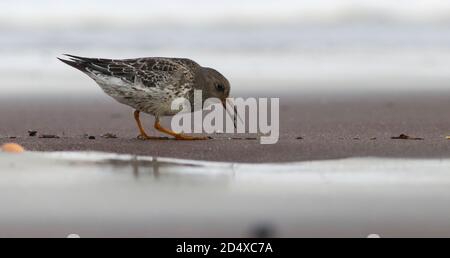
(216, 85)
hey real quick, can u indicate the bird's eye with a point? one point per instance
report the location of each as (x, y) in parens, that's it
(220, 87)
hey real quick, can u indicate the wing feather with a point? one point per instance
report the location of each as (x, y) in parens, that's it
(148, 72)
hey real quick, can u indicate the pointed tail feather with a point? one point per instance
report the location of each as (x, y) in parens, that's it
(85, 64)
(79, 57)
(77, 65)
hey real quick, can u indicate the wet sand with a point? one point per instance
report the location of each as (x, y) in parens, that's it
(330, 127)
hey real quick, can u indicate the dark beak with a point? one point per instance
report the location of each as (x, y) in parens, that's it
(234, 115)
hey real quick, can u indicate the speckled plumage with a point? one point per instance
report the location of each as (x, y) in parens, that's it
(151, 84)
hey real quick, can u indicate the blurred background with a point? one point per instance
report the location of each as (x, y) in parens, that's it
(263, 47)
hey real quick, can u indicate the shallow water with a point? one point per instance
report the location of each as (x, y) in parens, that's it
(99, 194)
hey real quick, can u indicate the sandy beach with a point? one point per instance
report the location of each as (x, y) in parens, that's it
(312, 128)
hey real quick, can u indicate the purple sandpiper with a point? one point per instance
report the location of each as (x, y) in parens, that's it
(150, 84)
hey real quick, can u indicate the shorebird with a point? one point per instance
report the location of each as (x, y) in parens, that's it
(150, 85)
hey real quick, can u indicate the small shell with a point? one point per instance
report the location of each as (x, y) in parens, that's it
(12, 148)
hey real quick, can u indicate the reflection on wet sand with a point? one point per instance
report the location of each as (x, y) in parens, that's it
(149, 166)
(101, 194)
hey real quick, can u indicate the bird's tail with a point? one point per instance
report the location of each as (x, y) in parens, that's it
(84, 64)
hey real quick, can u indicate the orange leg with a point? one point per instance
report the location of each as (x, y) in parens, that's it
(143, 135)
(177, 136)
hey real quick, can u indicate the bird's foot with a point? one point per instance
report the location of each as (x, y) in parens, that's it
(147, 138)
(178, 136)
(191, 138)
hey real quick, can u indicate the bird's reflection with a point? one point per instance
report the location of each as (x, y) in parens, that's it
(156, 170)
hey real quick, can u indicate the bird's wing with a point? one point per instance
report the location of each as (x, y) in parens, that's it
(144, 72)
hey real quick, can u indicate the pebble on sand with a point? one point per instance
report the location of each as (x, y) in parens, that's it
(406, 137)
(109, 136)
(12, 148)
(49, 136)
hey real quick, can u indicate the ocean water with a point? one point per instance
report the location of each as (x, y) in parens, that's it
(268, 47)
